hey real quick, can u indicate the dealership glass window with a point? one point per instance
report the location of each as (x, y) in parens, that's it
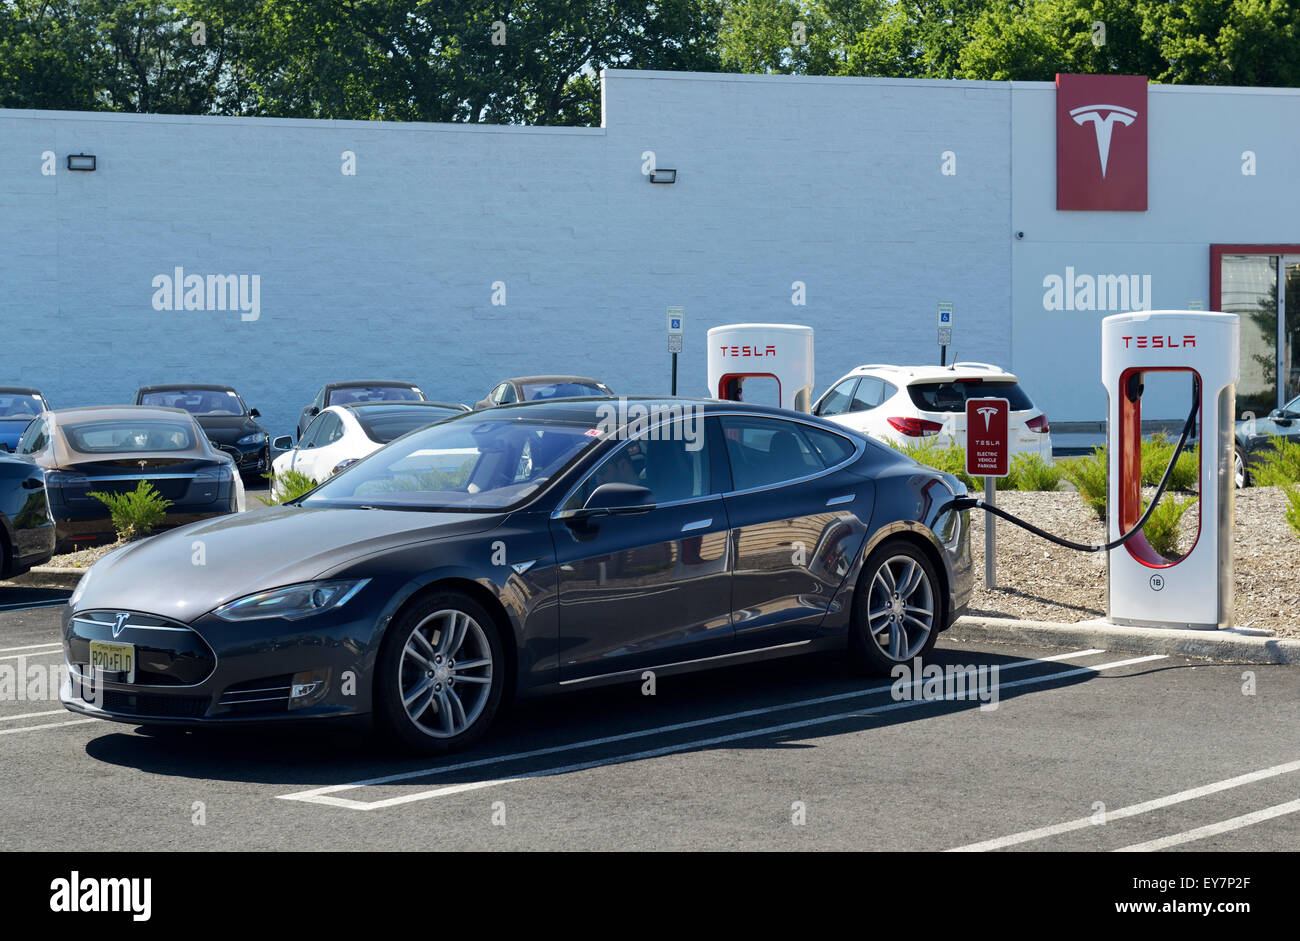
(1249, 289)
(766, 451)
(836, 401)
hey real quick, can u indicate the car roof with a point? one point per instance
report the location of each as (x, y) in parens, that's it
(370, 382)
(595, 409)
(180, 386)
(554, 379)
(907, 375)
(20, 390)
(368, 406)
(115, 412)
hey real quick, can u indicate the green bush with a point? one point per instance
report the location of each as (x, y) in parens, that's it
(1088, 474)
(950, 460)
(1293, 507)
(1156, 452)
(1161, 529)
(1031, 472)
(1280, 465)
(136, 513)
(289, 486)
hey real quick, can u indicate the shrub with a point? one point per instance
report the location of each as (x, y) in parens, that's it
(1031, 472)
(1088, 474)
(1156, 452)
(137, 513)
(950, 460)
(1161, 530)
(1185, 473)
(1280, 465)
(1293, 507)
(288, 486)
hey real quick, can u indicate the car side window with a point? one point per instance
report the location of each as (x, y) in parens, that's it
(331, 432)
(320, 399)
(832, 448)
(507, 394)
(313, 431)
(673, 465)
(836, 401)
(871, 392)
(767, 451)
(33, 438)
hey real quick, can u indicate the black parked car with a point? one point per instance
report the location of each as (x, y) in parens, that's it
(224, 418)
(110, 449)
(534, 388)
(524, 550)
(358, 391)
(1254, 438)
(26, 527)
(18, 406)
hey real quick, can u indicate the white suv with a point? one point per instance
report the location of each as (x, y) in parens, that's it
(903, 404)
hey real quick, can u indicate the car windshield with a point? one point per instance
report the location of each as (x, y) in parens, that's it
(951, 395)
(127, 435)
(198, 401)
(560, 390)
(382, 425)
(349, 395)
(474, 463)
(20, 405)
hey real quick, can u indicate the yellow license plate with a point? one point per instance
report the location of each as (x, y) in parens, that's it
(112, 658)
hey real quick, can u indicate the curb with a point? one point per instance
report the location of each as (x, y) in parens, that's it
(48, 576)
(1231, 645)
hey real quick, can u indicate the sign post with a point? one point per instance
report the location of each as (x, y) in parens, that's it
(945, 331)
(675, 320)
(988, 455)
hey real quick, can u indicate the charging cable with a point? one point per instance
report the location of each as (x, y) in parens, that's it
(976, 503)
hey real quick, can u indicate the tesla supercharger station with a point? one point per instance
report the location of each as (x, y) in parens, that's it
(1146, 589)
(779, 351)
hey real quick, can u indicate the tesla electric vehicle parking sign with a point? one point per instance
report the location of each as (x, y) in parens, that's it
(988, 453)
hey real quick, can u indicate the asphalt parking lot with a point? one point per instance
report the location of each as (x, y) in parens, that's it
(1085, 750)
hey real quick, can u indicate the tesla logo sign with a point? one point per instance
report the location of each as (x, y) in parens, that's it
(748, 350)
(988, 448)
(1101, 142)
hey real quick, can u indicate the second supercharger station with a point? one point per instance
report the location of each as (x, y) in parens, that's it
(1193, 590)
(779, 351)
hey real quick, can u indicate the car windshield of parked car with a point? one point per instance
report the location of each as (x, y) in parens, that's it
(560, 390)
(467, 464)
(350, 395)
(950, 395)
(20, 405)
(197, 401)
(121, 436)
(382, 425)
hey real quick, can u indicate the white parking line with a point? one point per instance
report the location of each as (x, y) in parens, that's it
(28, 647)
(48, 725)
(1213, 829)
(35, 653)
(1132, 810)
(33, 715)
(324, 795)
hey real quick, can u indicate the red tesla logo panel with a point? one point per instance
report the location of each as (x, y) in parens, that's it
(1101, 142)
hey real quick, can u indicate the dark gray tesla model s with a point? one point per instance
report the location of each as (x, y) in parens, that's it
(522, 550)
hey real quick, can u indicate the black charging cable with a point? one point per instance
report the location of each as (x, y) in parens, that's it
(976, 503)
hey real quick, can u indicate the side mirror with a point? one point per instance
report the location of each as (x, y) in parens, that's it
(254, 413)
(313, 410)
(616, 500)
(282, 443)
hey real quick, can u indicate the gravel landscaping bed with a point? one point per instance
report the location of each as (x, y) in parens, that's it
(82, 558)
(1038, 580)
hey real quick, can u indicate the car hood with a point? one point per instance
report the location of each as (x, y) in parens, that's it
(188, 571)
(227, 429)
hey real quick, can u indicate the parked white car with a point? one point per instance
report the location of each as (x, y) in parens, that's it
(342, 434)
(914, 404)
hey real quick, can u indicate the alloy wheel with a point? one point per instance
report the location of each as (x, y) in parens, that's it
(900, 608)
(445, 677)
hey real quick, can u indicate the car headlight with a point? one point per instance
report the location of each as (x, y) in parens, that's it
(292, 602)
(257, 437)
(81, 587)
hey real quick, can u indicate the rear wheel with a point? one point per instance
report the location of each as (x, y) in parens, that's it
(441, 674)
(897, 609)
(1240, 475)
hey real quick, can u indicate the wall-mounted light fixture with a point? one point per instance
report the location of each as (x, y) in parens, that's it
(81, 161)
(663, 176)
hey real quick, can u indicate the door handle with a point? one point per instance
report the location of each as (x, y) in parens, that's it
(697, 524)
(842, 498)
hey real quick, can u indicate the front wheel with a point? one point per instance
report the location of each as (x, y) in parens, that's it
(1240, 475)
(897, 609)
(440, 674)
